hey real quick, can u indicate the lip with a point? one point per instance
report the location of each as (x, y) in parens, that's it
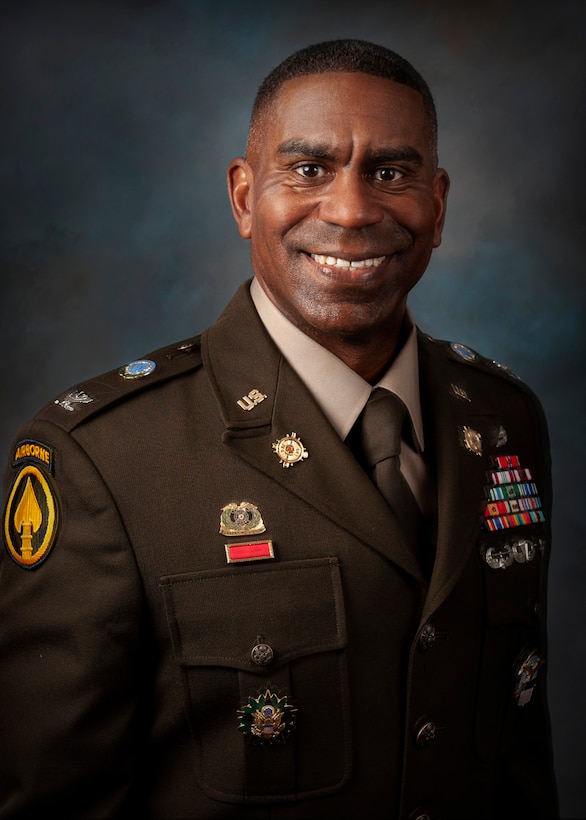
(351, 272)
(347, 262)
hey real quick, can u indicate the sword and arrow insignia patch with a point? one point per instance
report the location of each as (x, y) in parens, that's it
(31, 518)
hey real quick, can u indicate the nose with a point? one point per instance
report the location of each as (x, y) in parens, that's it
(350, 202)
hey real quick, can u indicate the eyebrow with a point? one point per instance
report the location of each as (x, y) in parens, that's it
(303, 148)
(381, 156)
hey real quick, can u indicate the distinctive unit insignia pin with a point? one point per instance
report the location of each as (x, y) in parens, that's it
(290, 449)
(72, 400)
(252, 551)
(241, 519)
(138, 369)
(267, 719)
(31, 517)
(472, 440)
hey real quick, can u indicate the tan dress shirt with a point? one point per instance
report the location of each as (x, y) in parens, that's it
(342, 393)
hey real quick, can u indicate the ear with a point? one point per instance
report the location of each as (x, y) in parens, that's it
(441, 186)
(239, 189)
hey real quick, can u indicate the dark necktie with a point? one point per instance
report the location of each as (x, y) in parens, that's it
(378, 440)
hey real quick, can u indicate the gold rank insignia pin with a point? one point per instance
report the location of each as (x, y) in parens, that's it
(242, 518)
(31, 518)
(290, 450)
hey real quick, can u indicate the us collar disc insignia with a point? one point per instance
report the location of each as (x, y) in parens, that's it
(138, 369)
(251, 399)
(464, 352)
(241, 519)
(472, 440)
(253, 551)
(290, 450)
(31, 518)
(267, 719)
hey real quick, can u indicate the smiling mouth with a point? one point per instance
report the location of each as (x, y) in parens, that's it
(336, 262)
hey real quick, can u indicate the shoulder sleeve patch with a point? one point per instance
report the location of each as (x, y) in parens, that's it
(31, 518)
(34, 452)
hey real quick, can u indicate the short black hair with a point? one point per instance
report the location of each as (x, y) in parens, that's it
(344, 55)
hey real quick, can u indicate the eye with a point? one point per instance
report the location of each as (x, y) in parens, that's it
(388, 174)
(310, 170)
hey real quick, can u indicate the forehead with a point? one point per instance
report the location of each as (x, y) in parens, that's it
(334, 107)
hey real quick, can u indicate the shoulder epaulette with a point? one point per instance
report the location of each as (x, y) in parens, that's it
(90, 397)
(461, 352)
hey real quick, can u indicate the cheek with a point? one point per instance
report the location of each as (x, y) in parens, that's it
(418, 215)
(277, 213)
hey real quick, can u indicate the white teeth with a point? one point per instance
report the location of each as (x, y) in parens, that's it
(335, 262)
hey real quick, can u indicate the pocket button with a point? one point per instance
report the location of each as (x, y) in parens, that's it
(261, 654)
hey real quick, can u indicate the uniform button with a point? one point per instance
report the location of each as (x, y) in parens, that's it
(261, 654)
(426, 735)
(427, 637)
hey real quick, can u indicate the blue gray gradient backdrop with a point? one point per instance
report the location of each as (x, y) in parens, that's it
(118, 120)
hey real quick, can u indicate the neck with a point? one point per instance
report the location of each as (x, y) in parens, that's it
(369, 357)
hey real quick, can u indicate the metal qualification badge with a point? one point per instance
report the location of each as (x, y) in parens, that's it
(241, 518)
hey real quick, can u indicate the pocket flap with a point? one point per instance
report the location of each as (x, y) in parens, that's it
(217, 617)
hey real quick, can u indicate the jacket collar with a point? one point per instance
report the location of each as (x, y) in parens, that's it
(459, 429)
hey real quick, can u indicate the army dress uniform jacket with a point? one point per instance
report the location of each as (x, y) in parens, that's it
(150, 668)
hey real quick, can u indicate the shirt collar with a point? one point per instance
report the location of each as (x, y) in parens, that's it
(339, 391)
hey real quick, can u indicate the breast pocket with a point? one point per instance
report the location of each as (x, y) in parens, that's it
(261, 649)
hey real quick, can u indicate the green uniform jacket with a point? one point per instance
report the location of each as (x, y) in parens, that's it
(129, 642)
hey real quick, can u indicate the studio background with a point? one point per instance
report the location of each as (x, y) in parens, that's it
(118, 120)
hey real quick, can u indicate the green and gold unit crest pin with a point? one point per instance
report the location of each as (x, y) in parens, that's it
(31, 517)
(267, 719)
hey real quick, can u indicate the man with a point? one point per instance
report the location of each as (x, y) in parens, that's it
(208, 607)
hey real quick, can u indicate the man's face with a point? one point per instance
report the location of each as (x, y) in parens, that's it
(342, 202)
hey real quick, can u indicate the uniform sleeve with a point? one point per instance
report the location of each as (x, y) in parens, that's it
(70, 640)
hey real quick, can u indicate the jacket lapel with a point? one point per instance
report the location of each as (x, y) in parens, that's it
(451, 416)
(241, 361)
